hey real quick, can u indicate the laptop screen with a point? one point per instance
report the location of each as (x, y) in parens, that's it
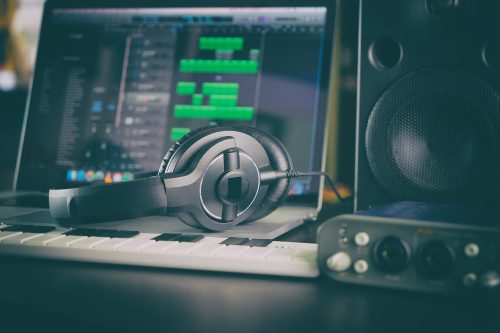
(115, 87)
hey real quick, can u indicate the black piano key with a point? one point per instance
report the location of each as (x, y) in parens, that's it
(110, 233)
(36, 229)
(188, 238)
(17, 228)
(40, 229)
(234, 241)
(102, 233)
(166, 237)
(258, 242)
(80, 232)
(125, 234)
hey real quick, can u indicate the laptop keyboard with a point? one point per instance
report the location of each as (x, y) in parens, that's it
(197, 252)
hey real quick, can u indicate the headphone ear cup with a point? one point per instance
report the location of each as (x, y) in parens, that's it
(275, 152)
(280, 160)
(173, 149)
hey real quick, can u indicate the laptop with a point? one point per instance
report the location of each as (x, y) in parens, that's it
(116, 83)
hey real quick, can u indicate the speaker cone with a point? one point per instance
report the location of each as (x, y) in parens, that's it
(433, 135)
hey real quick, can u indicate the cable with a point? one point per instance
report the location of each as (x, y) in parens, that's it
(269, 176)
(329, 179)
(275, 175)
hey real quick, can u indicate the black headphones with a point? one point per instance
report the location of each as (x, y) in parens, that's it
(213, 178)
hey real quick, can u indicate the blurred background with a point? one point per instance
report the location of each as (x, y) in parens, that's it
(19, 27)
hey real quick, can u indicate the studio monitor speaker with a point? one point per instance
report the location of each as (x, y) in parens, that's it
(428, 113)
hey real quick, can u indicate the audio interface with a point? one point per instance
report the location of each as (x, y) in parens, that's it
(411, 254)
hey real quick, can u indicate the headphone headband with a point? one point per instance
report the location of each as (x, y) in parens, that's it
(102, 203)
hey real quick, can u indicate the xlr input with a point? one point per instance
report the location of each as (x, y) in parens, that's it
(392, 254)
(436, 259)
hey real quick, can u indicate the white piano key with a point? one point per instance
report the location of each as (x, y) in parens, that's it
(116, 243)
(305, 255)
(213, 240)
(256, 253)
(21, 238)
(181, 248)
(111, 244)
(89, 242)
(7, 234)
(231, 251)
(137, 243)
(44, 239)
(208, 246)
(158, 246)
(284, 254)
(204, 247)
(65, 241)
(206, 250)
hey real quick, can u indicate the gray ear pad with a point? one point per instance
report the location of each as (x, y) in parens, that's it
(166, 163)
(277, 154)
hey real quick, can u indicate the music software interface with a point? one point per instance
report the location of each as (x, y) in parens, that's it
(117, 87)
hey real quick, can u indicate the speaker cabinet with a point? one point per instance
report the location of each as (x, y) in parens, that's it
(428, 113)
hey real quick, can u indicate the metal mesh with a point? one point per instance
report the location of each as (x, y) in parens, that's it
(434, 134)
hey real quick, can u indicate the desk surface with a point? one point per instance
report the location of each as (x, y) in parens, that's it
(64, 296)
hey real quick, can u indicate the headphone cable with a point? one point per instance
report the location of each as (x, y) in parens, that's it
(276, 175)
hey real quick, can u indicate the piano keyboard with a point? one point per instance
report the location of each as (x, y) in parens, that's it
(196, 252)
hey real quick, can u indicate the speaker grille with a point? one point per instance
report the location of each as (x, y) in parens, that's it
(433, 135)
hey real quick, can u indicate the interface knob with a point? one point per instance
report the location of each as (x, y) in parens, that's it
(362, 239)
(339, 262)
(490, 279)
(361, 266)
(469, 279)
(471, 250)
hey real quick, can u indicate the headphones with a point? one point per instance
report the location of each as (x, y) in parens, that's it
(212, 178)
